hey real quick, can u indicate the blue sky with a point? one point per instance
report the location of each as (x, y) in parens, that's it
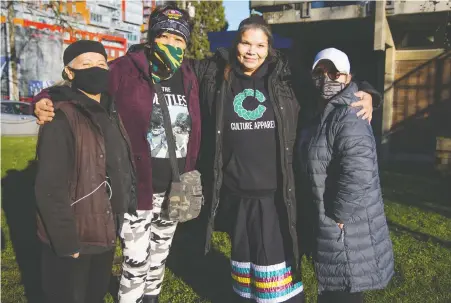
(236, 11)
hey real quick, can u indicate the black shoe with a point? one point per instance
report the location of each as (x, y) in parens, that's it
(150, 299)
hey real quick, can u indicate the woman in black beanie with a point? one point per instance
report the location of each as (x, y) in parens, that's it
(84, 179)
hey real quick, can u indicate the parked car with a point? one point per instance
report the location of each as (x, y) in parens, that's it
(17, 119)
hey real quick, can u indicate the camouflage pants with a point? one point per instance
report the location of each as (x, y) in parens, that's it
(146, 243)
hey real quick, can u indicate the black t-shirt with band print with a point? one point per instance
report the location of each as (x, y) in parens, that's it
(181, 126)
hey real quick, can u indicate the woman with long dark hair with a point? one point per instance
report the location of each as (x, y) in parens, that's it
(250, 116)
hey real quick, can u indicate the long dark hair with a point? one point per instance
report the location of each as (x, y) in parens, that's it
(253, 22)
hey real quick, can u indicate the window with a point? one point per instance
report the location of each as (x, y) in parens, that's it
(7, 109)
(22, 109)
(418, 34)
(96, 17)
(320, 4)
(16, 109)
(132, 37)
(113, 53)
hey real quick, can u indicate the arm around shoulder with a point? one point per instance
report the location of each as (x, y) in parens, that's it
(376, 96)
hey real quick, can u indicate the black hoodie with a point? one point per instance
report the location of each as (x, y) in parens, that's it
(250, 135)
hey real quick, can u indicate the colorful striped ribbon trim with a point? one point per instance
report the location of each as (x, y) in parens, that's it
(265, 284)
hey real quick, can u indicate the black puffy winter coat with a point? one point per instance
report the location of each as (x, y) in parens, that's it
(340, 180)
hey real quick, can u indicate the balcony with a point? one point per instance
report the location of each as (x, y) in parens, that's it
(290, 12)
(126, 27)
(416, 7)
(116, 15)
(315, 4)
(110, 4)
(279, 12)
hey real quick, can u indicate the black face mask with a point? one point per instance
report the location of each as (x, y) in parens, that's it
(328, 88)
(93, 80)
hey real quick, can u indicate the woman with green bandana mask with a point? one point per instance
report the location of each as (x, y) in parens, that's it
(166, 60)
(146, 237)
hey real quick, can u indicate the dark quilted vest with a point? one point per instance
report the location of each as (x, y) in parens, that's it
(93, 214)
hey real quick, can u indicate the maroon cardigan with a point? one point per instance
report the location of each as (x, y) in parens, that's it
(133, 97)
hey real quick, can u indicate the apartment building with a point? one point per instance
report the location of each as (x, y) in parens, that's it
(43, 29)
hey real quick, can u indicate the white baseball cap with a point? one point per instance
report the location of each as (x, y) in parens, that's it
(338, 58)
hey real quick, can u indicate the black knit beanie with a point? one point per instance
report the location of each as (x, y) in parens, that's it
(80, 47)
(172, 20)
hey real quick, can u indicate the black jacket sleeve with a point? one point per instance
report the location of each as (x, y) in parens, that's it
(200, 67)
(55, 165)
(365, 86)
(42, 95)
(355, 152)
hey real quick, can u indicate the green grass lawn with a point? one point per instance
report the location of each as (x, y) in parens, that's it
(418, 209)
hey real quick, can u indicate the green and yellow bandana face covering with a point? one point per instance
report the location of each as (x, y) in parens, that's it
(166, 60)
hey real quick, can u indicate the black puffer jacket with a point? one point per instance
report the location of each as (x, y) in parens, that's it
(213, 88)
(339, 175)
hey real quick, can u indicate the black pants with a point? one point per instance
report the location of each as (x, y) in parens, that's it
(261, 254)
(82, 280)
(340, 297)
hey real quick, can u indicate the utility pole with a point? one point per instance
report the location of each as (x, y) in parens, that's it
(12, 54)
